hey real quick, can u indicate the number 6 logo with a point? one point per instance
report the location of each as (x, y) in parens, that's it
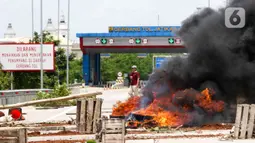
(234, 17)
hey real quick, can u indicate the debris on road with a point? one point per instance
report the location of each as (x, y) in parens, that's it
(166, 136)
(65, 133)
(61, 141)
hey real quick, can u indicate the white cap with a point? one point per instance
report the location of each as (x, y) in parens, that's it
(134, 67)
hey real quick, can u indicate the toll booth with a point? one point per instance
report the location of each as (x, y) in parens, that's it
(127, 39)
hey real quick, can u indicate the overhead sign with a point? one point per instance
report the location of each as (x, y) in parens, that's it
(127, 41)
(26, 57)
(143, 28)
(158, 60)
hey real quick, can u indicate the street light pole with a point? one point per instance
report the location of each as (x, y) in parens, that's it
(67, 49)
(32, 10)
(41, 44)
(58, 16)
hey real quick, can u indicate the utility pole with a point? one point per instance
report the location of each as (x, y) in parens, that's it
(67, 49)
(32, 10)
(41, 44)
(58, 17)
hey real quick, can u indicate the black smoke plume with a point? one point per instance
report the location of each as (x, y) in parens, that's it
(220, 58)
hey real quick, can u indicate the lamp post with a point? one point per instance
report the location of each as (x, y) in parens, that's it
(58, 16)
(41, 44)
(32, 11)
(67, 49)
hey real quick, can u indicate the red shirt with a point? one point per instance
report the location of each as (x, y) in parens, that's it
(135, 76)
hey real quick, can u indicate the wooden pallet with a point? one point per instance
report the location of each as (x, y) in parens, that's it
(13, 135)
(114, 131)
(87, 114)
(245, 120)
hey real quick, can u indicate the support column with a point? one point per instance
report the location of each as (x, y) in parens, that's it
(97, 69)
(99, 66)
(86, 68)
(92, 68)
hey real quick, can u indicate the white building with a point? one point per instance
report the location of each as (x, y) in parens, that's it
(10, 33)
(10, 36)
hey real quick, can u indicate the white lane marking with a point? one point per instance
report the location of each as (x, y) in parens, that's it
(61, 113)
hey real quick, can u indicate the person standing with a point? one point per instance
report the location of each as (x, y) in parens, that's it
(134, 81)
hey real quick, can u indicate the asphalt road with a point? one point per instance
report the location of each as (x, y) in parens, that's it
(110, 97)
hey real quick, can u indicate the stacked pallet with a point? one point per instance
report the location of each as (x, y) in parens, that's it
(13, 135)
(245, 120)
(87, 115)
(113, 131)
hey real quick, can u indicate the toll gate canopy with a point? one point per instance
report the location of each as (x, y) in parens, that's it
(126, 39)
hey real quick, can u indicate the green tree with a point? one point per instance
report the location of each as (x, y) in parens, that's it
(61, 64)
(76, 70)
(5, 80)
(47, 38)
(122, 63)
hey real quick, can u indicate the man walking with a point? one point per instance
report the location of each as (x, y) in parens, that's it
(135, 80)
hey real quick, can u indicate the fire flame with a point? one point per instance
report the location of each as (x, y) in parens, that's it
(165, 112)
(124, 108)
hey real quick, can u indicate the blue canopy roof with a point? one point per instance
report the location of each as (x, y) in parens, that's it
(131, 31)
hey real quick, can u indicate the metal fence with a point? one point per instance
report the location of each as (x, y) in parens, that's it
(17, 96)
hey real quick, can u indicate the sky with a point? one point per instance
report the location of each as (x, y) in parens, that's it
(94, 16)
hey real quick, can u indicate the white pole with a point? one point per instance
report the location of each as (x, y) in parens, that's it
(153, 63)
(58, 16)
(67, 50)
(41, 44)
(32, 10)
(11, 80)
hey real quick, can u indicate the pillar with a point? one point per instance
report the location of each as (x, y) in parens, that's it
(92, 68)
(97, 69)
(86, 68)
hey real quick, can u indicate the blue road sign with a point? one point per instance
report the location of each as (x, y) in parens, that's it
(159, 61)
(143, 28)
(134, 31)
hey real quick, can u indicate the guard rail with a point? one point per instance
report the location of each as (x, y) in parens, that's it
(17, 96)
(75, 84)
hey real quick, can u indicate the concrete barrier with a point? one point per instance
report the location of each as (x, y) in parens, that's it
(17, 96)
(23, 95)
